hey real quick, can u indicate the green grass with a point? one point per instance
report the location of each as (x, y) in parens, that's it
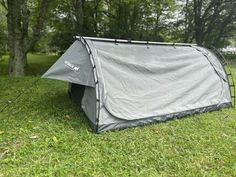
(38, 64)
(44, 134)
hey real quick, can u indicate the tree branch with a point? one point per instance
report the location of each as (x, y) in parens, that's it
(209, 7)
(4, 4)
(37, 28)
(227, 21)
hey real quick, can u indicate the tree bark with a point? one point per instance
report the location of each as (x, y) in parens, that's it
(16, 53)
(17, 60)
(19, 41)
(79, 16)
(198, 21)
(186, 22)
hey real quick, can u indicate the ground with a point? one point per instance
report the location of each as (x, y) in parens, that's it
(43, 133)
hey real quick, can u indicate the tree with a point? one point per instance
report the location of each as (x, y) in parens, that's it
(136, 19)
(208, 22)
(212, 20)
(25, 21)
(3, 31)
(127, 19)
(2, 41)
(76, 17)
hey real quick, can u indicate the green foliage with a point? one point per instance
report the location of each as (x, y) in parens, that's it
(230, 56)
(208, 22)
(62, 40)
(2, 42)
(127, 19)
(204, 22)
(3, 32)
(44, 134)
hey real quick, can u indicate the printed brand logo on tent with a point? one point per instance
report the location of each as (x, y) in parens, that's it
(71, 66)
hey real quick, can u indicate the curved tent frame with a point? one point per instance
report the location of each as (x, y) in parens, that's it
(228, 72)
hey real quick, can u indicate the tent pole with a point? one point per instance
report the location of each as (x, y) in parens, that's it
(96, 82)
(228, 72)
(133, 41)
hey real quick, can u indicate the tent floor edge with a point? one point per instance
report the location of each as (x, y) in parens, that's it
(160, 119)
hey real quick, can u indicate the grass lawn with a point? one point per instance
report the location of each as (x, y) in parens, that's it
(44, 134)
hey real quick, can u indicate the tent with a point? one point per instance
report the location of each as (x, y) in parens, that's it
(123, 83)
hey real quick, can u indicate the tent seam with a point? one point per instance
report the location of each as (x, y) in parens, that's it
(98, 102)
(225, 80)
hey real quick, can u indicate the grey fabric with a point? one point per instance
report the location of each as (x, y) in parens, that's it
(73, 66)
(89, 103)
(139, 84)
(121, 124)
(212, 58)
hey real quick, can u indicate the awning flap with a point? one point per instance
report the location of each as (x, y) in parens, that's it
(73, 66)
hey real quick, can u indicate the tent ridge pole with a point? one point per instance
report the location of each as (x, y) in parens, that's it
(134, 41)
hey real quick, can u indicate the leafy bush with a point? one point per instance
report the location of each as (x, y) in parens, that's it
(1, 52)
(230, 56)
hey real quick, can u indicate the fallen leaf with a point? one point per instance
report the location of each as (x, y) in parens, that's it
(55, 139)
(4, 154)
(67, 116)
(34, 137)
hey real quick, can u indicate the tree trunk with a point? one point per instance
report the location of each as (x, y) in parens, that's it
(15, 43)
(79, 16)
(95, 22)
(187, 22)
(17, 60)
(19, 41)
(198, 21)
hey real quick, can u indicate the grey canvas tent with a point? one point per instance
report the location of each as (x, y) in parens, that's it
(122, 83)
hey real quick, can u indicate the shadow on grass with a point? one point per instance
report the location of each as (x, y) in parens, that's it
(36, 69)
(59, 108)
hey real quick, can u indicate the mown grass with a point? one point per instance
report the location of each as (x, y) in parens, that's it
(44, 134)
(38, 64)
